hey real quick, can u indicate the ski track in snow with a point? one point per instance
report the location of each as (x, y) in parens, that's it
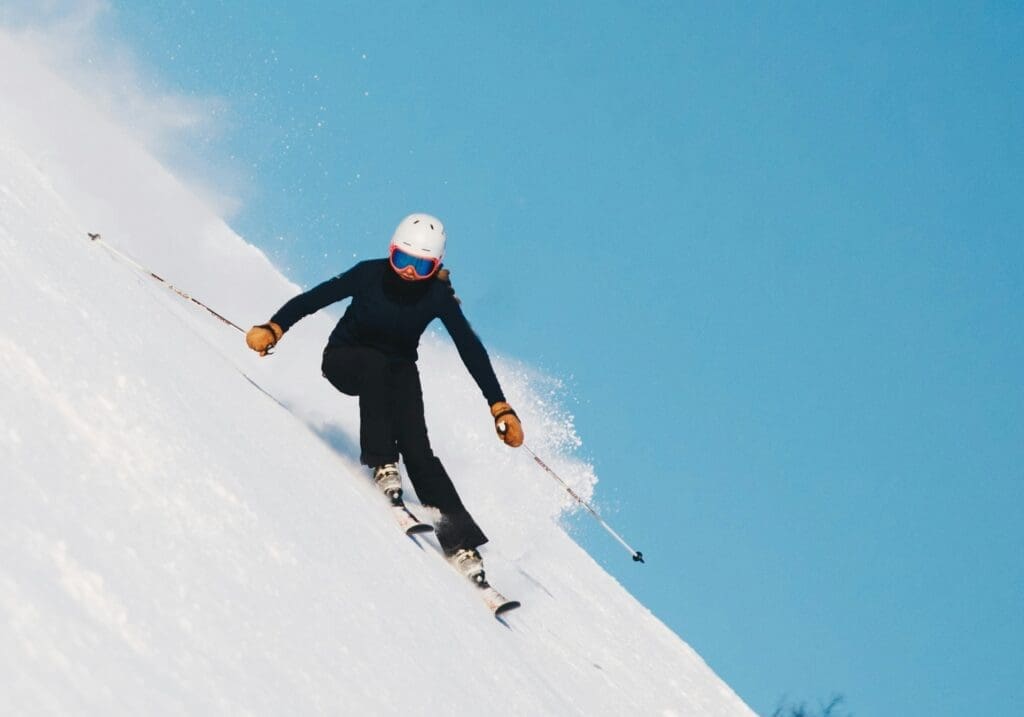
(176, 541)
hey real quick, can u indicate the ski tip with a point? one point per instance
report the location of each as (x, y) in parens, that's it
(506, 606)
(419, 529)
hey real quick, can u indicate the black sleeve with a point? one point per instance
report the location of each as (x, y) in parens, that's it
(325, 294)
(471, 349)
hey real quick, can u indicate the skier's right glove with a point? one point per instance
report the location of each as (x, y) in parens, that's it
(264, 337)
(507, 424)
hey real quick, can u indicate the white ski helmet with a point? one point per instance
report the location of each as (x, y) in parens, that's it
(421, 235)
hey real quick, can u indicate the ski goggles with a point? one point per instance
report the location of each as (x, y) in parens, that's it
(421, 267)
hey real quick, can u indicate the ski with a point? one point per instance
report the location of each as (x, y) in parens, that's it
(469, 564)
(497, 603)
(386, 478)
(389, 481)
(409, 523)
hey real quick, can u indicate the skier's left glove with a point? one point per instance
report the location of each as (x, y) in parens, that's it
(507, 424)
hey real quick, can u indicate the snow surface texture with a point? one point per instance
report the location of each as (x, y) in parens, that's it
(174, 540)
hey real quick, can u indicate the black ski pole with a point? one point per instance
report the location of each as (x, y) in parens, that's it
(637, 555)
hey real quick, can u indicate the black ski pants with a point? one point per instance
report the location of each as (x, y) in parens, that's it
(391, 423)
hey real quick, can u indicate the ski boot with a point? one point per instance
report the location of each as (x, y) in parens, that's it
(389, 480)
(468, 562)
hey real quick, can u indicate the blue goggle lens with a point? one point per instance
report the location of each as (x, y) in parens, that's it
(422, 267)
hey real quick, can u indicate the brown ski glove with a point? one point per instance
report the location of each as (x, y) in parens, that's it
(264, 337)
(507, 424)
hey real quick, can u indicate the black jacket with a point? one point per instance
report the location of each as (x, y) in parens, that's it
(390, 314)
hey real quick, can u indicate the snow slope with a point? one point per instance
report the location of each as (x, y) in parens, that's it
(175, 540)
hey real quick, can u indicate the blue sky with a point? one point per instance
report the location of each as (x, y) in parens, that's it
(775, 252)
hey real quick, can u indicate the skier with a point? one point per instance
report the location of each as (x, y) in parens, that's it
(372, 354)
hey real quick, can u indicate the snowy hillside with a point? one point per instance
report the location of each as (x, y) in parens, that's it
(176, 541)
